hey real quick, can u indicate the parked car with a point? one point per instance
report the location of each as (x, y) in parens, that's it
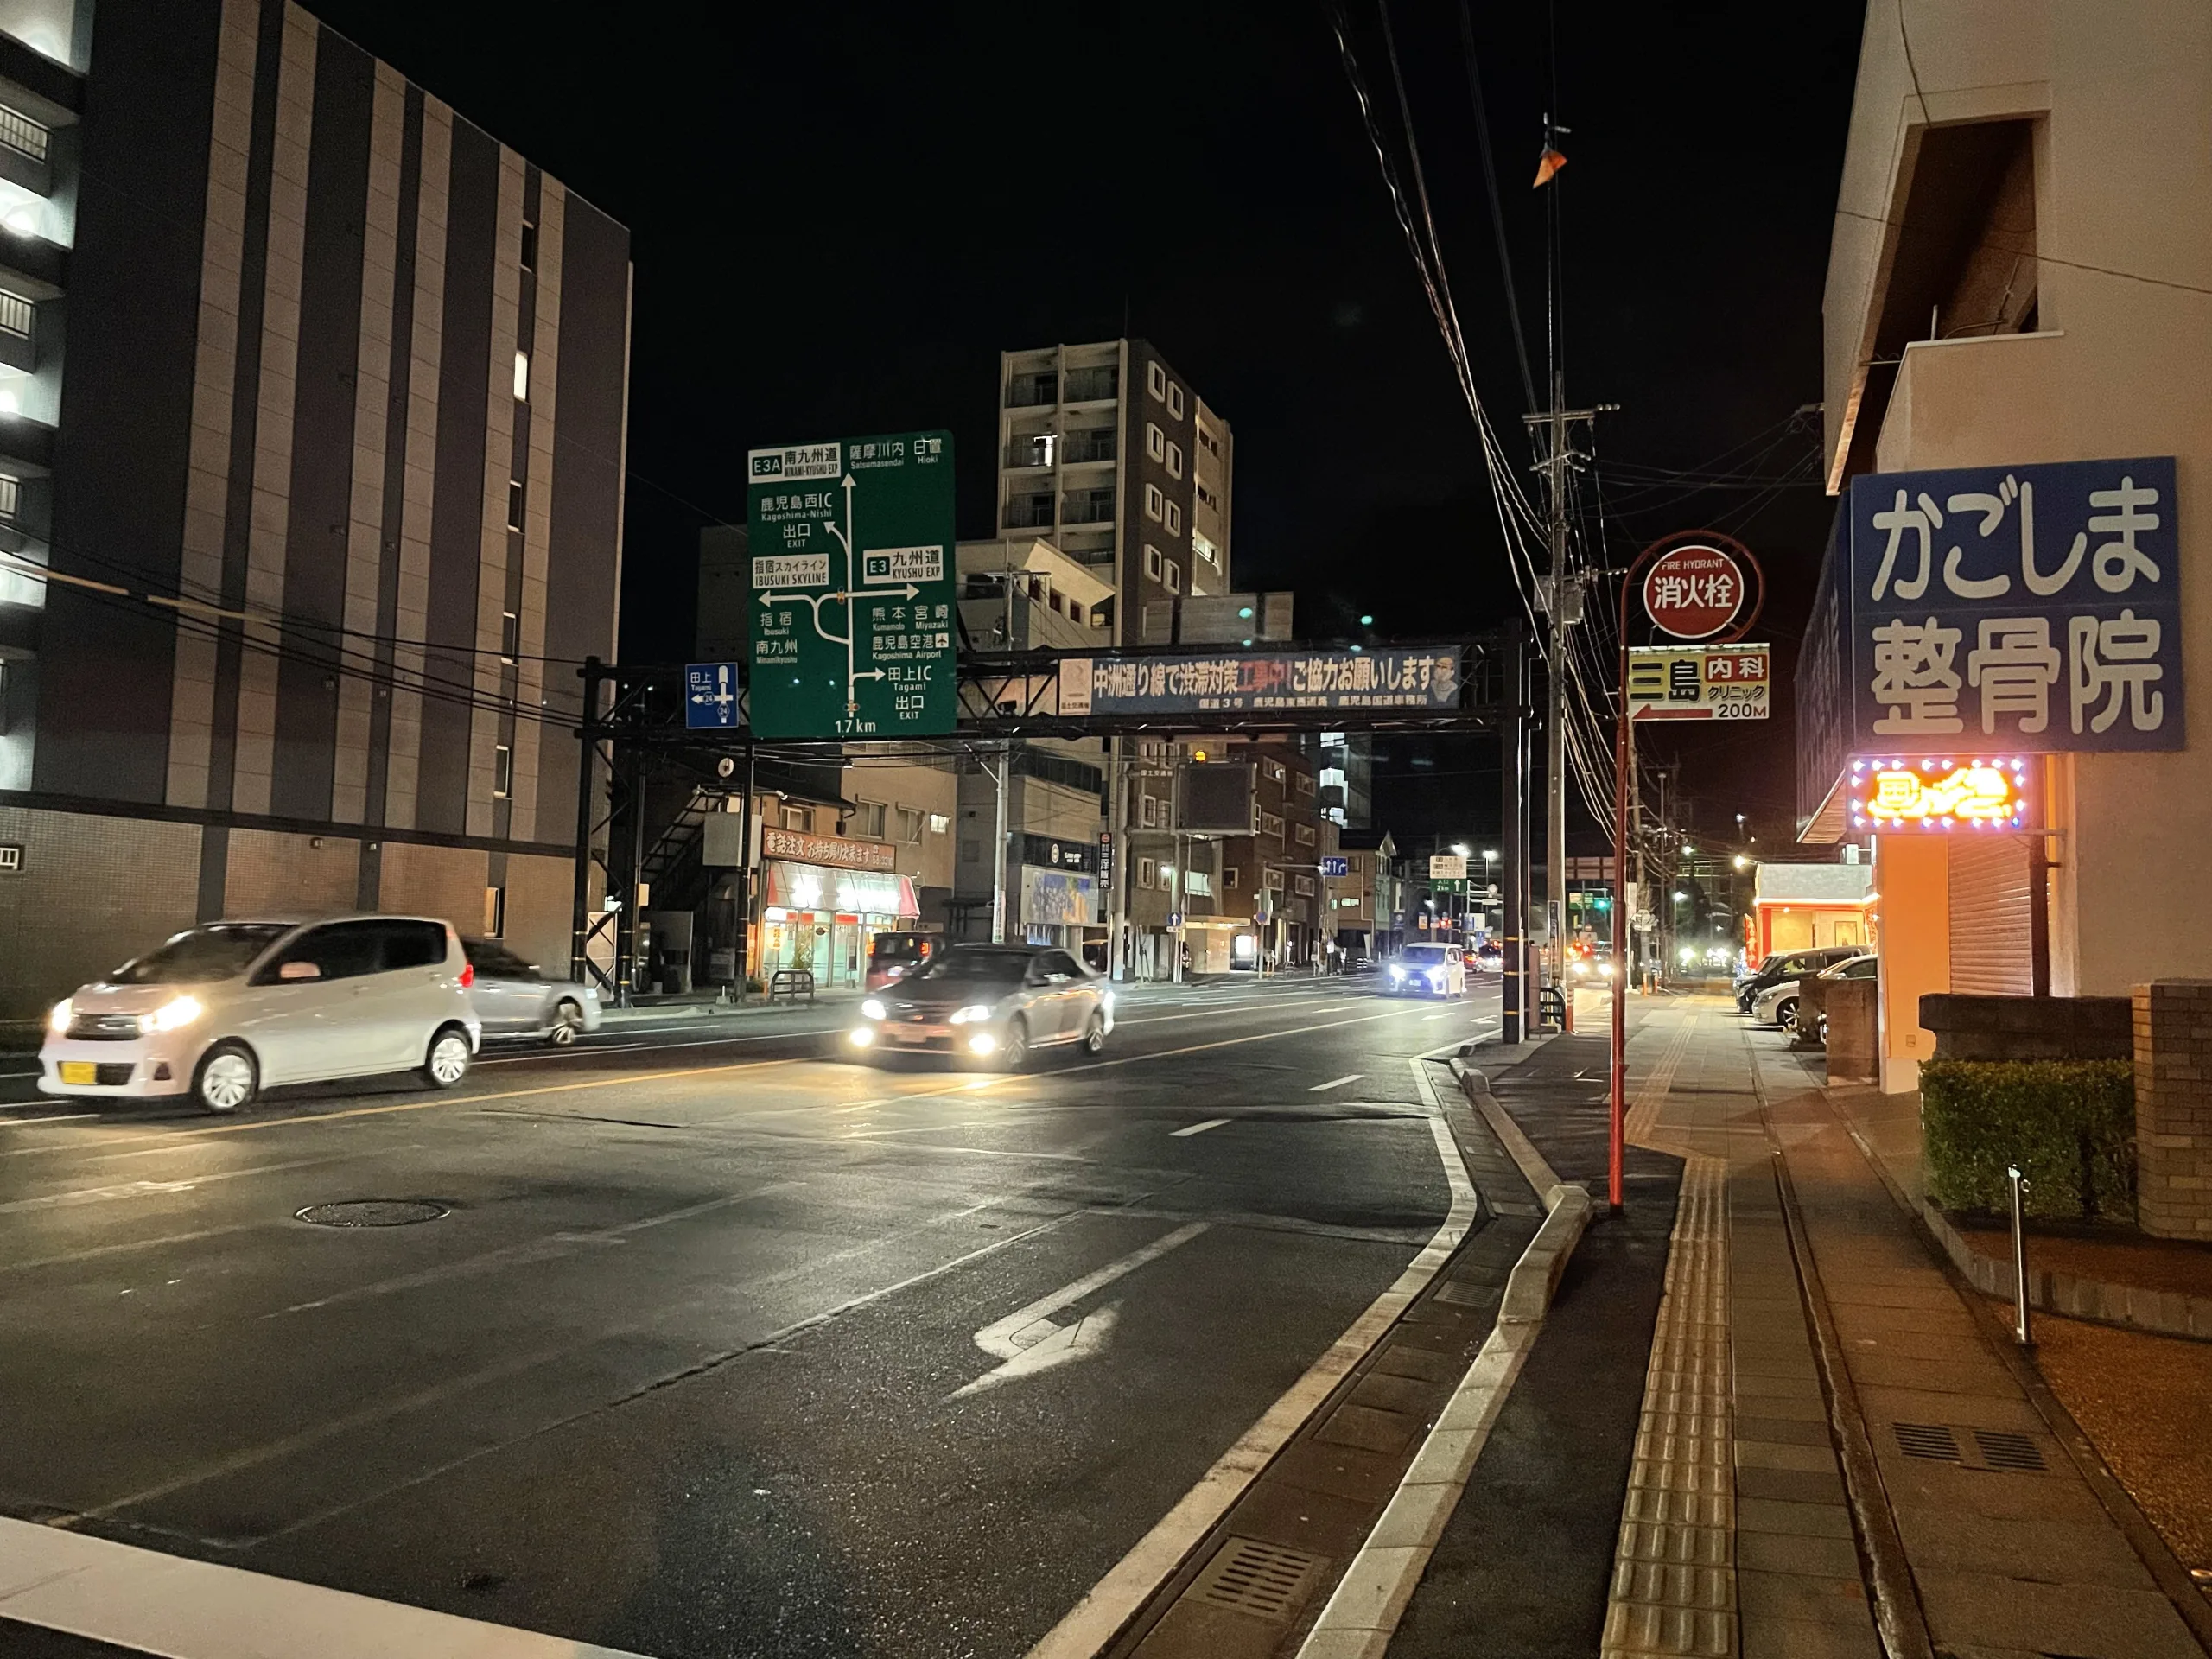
(513, 999)
(990, 1003)
(1428, 971)
(1790, 965)
(223, 1011)
(1866, 967)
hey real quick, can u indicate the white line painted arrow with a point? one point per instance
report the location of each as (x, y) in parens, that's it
(1028, 1341)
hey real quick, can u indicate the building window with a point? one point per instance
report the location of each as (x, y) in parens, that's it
(1175, 400)
(1228, 877)
(510, 636)
(1145, 870)
(1271, 825)
(495, 912)
(1206, 497)
(1155, 379)
(1205, 548)
(1210, 443)
(1173, 576)
(798, 818)
(1174, 519)
(529, 247)
(11, 496)
(1032, 389)
(522, 377)
(1305, 785)
(971, 851)
(514, 504)
(1152, 562)
(910, 824)
(503, 772)
(21, 134)
(1305, 835)
(940, 822)
(15, 315)
(1148, 812)
(868, 820)
(1306, 886)
(1175, 460)
(1155, 442)
(1154, 503)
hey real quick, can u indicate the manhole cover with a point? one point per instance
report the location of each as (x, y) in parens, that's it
(372, 1212)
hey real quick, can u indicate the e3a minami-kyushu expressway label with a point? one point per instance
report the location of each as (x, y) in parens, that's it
(852, 626)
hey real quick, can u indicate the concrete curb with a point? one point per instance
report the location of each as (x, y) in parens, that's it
(1361, 1617)
(2163, 1313)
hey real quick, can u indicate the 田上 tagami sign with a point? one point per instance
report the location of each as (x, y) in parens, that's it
(1694, 592)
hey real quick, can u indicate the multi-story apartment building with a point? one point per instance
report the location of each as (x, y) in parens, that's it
(1346, 763)
(1363, 900)
(1107, 451)
(300, 540)
(1271, 879)
(1023, 593)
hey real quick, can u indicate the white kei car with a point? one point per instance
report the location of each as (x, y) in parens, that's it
(222, 1011)
(1426, 970)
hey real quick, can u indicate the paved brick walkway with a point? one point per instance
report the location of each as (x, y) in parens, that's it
(1738, 1536)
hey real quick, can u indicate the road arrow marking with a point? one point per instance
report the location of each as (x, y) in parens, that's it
(1199, 1129)
(1028, 1341)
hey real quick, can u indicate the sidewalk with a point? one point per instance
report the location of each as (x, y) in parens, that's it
(1837, 1453)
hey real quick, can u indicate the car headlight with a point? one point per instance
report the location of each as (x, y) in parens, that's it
(58, 1021)
(873, 1009)
(971, 1014)
(861, 1036)
(1396, 972)
(1436, 977)
(177, 1011)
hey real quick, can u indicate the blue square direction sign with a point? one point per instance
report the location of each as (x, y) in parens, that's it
(851, 619)
(1335, 864)
(709, 695)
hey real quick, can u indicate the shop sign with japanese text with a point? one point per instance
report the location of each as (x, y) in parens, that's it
(836, 852)
(1188, 683)
(852, 587)
(2028, 608)
(1699, 683)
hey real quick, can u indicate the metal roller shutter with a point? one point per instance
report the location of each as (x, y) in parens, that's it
(1992, 941)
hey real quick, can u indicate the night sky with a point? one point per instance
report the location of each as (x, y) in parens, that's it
(843, 213)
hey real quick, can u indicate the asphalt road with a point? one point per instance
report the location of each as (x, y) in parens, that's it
(712, 1350)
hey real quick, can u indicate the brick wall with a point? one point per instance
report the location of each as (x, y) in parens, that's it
(92, 893)
(2173, 1108)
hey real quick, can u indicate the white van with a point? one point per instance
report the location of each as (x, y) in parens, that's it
(1428, 971)
(225, 1010)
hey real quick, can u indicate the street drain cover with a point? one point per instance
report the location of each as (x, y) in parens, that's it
(372, 1212)
(1247, 1576)
(1997, 1449)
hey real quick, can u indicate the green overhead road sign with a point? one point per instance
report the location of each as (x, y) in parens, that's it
(852, 587)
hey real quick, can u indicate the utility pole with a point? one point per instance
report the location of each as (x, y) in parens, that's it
(1561, 593)
(998, 855)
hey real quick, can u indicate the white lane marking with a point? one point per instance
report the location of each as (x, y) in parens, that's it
(1027, 1340)
(1335, 1083)
(1447, 1014)
(156, 1189)
(1199, 1129)
(1109, 1605)
(56, 1117)
(153, 1603)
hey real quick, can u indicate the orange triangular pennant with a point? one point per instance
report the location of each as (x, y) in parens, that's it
(1548, 165)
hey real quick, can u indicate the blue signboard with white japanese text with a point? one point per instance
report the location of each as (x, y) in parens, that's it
(2024, 608)
(709, 695)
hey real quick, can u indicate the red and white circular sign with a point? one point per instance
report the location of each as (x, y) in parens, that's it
(1694, 592)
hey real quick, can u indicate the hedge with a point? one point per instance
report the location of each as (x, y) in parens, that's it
(2068, 1124)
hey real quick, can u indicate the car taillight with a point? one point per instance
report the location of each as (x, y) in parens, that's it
(467, 975)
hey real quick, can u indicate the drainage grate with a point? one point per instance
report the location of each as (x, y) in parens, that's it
(2000, 1450)
(1929, 1440)
(1247, 1576)
(372, 1212)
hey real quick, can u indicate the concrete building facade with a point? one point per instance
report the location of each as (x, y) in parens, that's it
(2020, 276)
(312, 412)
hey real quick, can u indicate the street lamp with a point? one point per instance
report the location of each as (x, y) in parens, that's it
(1742, 863)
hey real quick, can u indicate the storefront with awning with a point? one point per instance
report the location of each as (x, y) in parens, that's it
(823, 900)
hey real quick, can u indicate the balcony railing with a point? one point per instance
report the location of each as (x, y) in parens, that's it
(21, 134)
(15, 315)
(1029, 512)
(1091, 385)
(1090, 446)
(1089, 507)
(1031, 390)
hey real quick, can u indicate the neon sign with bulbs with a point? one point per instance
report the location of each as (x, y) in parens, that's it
(1940, 794)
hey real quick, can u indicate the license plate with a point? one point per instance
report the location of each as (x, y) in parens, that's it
(917, 1033)
(79, 1072)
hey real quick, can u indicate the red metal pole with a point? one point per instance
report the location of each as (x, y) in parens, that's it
(1616, 1137)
